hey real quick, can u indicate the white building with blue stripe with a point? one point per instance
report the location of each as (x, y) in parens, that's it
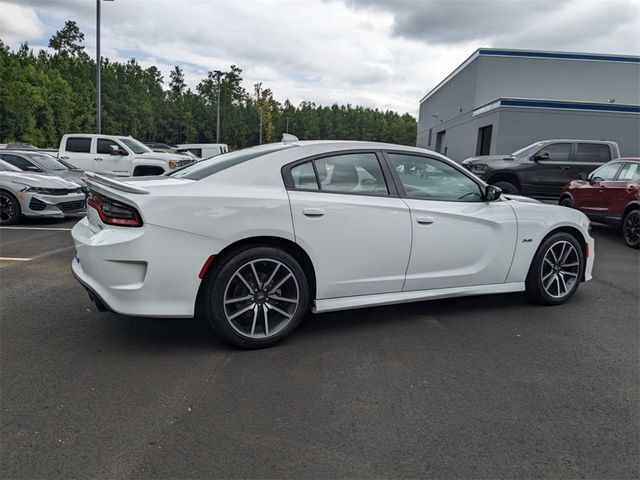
(500, 100)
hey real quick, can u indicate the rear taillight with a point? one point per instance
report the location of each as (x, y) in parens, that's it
(114, 213)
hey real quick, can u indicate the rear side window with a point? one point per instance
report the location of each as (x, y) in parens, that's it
(593, 152)
(78, 144)
(304, 177)
(630, 172)
(351, 173)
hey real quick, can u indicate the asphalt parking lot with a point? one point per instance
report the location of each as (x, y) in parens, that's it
(484, 387)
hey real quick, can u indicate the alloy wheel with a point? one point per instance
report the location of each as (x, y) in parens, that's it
(6, 208)
(261, 298)
(631, 228)
(560, 269)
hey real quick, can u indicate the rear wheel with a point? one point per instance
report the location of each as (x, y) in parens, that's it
(257, 297)
(556, 270)
(507, 187)
(9, 208)
(631, 229)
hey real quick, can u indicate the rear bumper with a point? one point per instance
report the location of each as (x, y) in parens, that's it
(147, 272)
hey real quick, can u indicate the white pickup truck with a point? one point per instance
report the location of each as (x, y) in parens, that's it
(116, 155)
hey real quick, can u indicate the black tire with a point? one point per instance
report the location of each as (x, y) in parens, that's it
(566, 201)
(631, 229)
(535, 289)
(9, 208)
(507, 187)
(222, 277)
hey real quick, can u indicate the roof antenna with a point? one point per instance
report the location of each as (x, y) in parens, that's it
(287, 137)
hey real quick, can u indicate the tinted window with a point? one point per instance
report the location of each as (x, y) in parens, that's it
(630, 172)
(104, 146)
(558, 152)
(606, 172)
(216, 164)
(304, 176)
(432, 179)
(78, 144)
(16, 161)
(593, 152)
(351, 173)
(7, 167)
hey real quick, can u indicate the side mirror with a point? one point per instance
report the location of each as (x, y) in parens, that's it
(544, 156)
(32, 168)
(492, 193)
(114, 150)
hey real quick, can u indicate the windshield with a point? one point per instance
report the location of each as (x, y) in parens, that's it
(47, 162)
(68, 165)
(528, 150)
(212, 165)
(134, 145)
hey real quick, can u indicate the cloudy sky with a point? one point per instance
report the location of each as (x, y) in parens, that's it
(380, 53)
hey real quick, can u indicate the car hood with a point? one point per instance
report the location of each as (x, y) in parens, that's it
(76, 176)
(38, 180)
(488, 159)
(520, 198)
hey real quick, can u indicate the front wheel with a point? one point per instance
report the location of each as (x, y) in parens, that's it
(631, 229)
(556, 270)
(257, 297)
(9, 208)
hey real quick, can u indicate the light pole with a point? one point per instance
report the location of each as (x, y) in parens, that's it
(258, 86)
(218, 73)
(98, 106)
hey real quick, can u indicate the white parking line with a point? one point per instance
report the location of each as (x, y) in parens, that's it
(13, 259)
(37, 228)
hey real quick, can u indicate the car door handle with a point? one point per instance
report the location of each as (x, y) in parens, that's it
(425, 220)
(565, 167)
(313, 212)
(98, 159)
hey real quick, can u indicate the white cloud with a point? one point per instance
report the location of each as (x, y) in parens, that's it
(379, 53)
(18, 23)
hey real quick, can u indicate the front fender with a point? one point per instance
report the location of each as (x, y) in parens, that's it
(535, 222)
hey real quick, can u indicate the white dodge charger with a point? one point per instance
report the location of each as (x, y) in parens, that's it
(252, 240)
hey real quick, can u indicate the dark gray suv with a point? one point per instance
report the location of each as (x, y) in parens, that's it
(543, 168)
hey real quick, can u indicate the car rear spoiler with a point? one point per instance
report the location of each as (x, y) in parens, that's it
(113, 183)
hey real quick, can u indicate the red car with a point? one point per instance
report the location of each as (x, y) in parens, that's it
(611, 195)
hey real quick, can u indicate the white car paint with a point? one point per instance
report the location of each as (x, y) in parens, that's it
(365, 250)
(20, 185)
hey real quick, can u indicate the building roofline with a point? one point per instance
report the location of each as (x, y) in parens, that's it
(546, 54)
